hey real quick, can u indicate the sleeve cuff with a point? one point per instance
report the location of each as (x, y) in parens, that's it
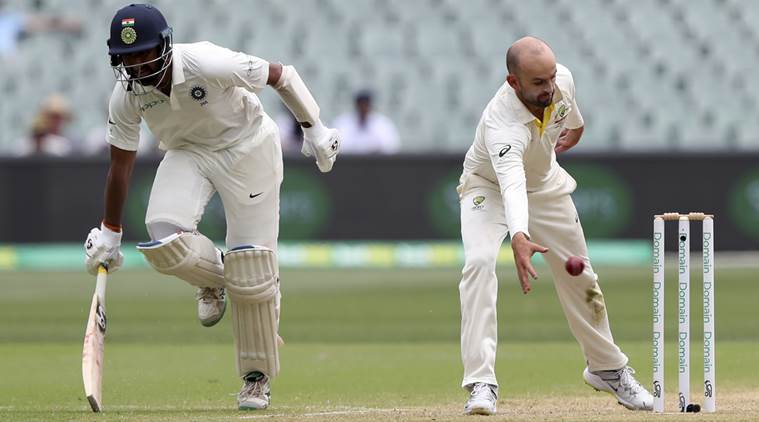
(122, 145)
(520, 230)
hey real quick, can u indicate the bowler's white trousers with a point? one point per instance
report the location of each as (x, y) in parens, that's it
(553, 223)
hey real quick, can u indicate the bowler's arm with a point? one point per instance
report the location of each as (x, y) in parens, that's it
(506, 147)
(568, 139)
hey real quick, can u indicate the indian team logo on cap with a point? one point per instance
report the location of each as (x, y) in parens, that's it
(128, 35)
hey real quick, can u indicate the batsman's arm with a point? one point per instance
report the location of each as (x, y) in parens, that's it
(253, 73)
(294, 93)
(275, 72)
(117, 186)
(320, 141)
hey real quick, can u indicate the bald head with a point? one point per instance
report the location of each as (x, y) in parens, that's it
(527, 52)
(532, 72)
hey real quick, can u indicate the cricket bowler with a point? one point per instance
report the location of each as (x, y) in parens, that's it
(512, 184)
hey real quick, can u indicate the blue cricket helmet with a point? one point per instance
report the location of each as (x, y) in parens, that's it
(136, 28)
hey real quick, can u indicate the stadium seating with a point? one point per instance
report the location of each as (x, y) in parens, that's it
(650, 74)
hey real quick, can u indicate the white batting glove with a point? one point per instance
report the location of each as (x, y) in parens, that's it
(323, 143)
(103, 246)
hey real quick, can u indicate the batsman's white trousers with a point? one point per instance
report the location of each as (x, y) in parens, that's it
(247, 177)
(553, 223)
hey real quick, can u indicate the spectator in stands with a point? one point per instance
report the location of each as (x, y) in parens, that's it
(46, 137)
(14, 26)
(366, 131)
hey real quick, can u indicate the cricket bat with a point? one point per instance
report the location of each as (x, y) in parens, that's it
(94, 342)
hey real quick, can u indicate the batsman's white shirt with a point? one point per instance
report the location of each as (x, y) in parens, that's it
(511, 182)
(212, 103)
(218, 139)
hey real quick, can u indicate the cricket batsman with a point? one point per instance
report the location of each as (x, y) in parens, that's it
(199, 100)
(512, 184)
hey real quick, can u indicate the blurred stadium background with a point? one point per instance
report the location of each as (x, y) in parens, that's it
(669, 93)
(651, 75)
(667, 89)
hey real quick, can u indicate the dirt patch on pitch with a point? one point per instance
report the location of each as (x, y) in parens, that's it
(739, 406)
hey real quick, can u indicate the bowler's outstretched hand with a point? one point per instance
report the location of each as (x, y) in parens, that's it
(523, 250)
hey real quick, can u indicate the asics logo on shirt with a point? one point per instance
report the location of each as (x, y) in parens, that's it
(504, 150)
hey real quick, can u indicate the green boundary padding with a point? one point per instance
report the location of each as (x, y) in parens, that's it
(417, 254)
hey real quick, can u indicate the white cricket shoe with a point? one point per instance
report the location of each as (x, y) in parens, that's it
(623, 385)
(212, 302)
(255, 393)
(482, 399)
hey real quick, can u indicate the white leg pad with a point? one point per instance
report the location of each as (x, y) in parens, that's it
(189, 256)
(252, 283)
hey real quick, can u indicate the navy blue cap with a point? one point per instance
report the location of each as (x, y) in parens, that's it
(136, 28)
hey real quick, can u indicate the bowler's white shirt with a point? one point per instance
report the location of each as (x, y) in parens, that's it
(377, 135)
(213, 103)
(514, 151)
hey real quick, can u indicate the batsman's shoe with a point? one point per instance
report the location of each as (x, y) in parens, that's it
(212, 302)
(255, 393)
(482, 400)
(623, 385)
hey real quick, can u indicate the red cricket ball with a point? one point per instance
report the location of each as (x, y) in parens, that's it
(574, 265)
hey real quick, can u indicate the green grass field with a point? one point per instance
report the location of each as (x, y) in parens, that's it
(360, 345)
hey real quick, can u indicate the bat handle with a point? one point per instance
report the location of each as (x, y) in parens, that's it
(100, 283)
